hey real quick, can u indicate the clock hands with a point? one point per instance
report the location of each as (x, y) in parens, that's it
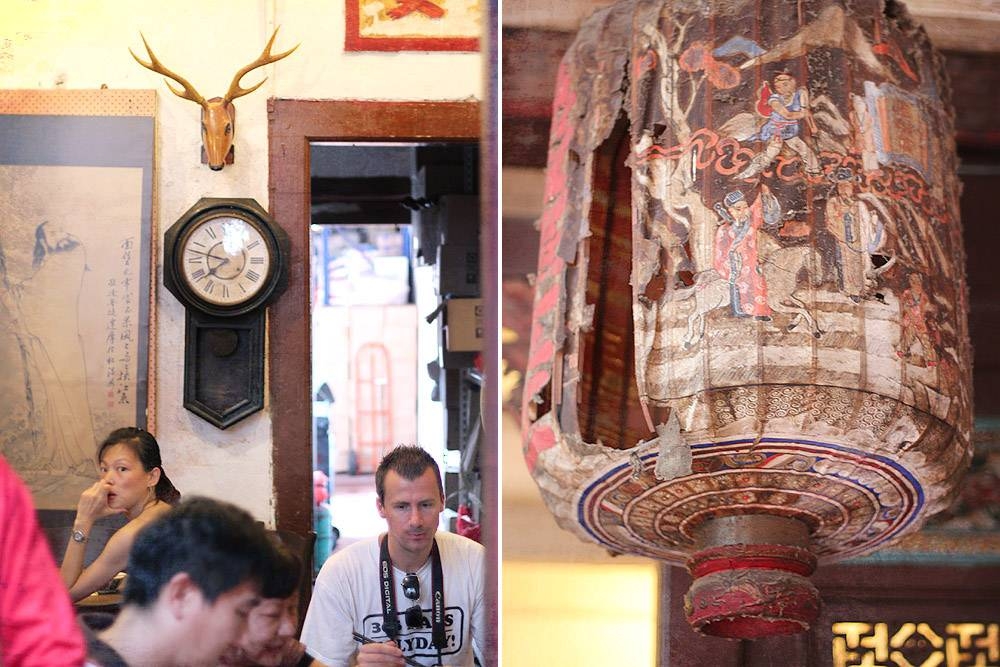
(209, 254)
(212, 270)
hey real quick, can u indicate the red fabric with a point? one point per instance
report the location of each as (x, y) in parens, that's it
(320, 493)
(540, 438)
(550, 278)
(37, 624)
(465, 526)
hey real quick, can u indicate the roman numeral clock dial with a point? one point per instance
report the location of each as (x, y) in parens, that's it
(225, 260)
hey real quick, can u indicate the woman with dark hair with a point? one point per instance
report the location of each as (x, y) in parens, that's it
(132, 483)
(269, 639)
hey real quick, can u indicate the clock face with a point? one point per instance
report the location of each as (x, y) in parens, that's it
(225, 260)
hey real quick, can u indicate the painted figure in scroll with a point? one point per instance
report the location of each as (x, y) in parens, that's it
(132, 483)
(753, 273)
(52, 364)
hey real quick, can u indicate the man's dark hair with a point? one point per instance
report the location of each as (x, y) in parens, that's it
(409, 462)
(284, 571)
(217, 544)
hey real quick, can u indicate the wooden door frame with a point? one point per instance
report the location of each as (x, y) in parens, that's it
(292, 125)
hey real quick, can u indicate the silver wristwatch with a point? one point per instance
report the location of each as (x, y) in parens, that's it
(79, 536)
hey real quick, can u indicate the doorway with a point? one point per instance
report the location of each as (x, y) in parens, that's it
(292, 125)
(385, 218)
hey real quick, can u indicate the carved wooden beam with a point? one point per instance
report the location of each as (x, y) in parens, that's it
(960, 25)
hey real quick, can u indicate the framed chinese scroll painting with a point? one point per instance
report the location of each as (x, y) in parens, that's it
(413, 25)
(76, 180)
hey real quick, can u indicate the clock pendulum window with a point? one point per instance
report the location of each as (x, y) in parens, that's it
(225, 260)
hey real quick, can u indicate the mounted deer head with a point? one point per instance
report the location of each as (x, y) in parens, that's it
(218, 115)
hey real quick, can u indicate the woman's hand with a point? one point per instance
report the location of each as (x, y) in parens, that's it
(93, 505)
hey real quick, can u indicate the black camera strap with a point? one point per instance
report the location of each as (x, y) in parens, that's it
(437, 602)
(390, 613)
(387, 591)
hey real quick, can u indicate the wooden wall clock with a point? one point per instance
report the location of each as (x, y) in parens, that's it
(225, 260)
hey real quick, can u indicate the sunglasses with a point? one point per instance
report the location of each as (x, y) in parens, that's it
(411, 589)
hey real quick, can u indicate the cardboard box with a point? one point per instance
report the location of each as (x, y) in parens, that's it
(464, 328)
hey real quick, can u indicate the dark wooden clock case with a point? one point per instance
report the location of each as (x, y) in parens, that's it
(224, 348)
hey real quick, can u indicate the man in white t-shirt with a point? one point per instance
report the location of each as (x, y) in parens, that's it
(411, 595)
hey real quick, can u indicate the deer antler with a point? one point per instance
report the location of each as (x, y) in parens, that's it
(265, 58)
(189, 93)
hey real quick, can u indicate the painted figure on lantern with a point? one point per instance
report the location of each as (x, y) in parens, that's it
(786, 108)
(916, 308)
(862, 130)
(859, 233)
(736, 253)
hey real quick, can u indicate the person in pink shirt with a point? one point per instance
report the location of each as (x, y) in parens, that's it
(37, 623)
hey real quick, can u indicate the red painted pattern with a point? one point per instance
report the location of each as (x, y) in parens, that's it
(754, 556)
(407, 7)
(727, 157)
(751, 603)
(539, 359)
(596, 495)
(355, 41)
(551, 268)
(540, 438)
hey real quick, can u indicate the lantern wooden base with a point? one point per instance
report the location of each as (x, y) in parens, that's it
(750, 578)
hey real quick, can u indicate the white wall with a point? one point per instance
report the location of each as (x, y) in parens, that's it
(84, 44)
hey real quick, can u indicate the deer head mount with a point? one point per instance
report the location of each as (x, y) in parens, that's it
(218, 115)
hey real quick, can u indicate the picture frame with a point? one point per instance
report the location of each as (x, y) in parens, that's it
(413, 25)
(76, 280)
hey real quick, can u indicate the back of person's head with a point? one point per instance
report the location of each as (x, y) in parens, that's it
(147, 450)
(409, 462)
(284, 571)
(218, 545)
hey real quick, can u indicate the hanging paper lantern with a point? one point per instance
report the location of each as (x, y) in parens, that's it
(749, 348)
